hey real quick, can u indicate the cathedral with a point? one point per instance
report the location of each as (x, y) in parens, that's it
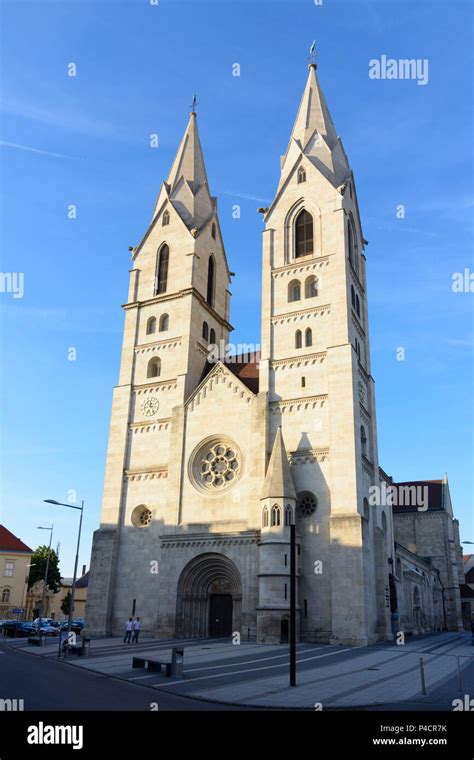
(211, 459)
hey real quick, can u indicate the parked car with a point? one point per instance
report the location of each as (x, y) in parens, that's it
(76, 625)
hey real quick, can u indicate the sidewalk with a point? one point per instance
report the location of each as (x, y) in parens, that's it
(327, 676)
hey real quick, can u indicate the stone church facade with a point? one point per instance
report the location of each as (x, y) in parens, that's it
(209, 462)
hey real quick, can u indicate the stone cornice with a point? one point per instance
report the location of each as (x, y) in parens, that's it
(292, 316)
(146, 427)
(144, 348)
(357, 325)
(298, 360)
(165, 297)
(305, 456)
(295, 404)
(146, 473)
(299, 268)
(178, 540)
(162, 385)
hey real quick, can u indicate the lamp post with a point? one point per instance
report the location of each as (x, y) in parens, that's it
(73, 590)
(45, 581)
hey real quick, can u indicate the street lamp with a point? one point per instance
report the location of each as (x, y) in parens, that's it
(40, 527)
(73, 590)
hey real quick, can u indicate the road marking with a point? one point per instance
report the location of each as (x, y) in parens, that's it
(232, 664)
(251, 670)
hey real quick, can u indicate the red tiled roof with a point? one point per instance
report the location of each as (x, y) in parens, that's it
(10, 543)
(244, 367)
(435, 495)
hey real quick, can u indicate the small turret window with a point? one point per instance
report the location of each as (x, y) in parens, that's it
(213, 230)
(265, 517)
(308, 337)
(353, 298)
(154, 367)
(151, 326)
(205, 331)
(357, 305)
(301, 175)
(164, 322)
(166, 219)
(303, 234)
(288, 515)
(311, 287)
(363, 440)
(276, 516)
(298, 339)
(294, 291)
(212, 336)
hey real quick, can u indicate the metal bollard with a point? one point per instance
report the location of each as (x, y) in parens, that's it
(422, 676)
(458, 668)
(177, 657)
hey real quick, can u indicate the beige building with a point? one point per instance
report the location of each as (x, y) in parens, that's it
(15, 558)
(53, 601)
(209, 462)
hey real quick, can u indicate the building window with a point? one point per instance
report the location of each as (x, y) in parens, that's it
(286, 590)
(303, 382)
(286, 560)
(352, 245)
(213, 230)
(265, 517)
(294, 291)
(151, 326)
(205, 331)
(154, 367)
(363, 440)
(308, 337)
(305, 603)
(162, 273)
(307, 503)
(357, 305)
(276, 520)
(212, 337)
(303, 234)
(288, 515)
(298, 339)
(166, 219)
(141, 517)
(301, 175)
(9, 567)
(366, 510)
(6, 595)
(311, 287)
(210, 281)
(164, 322)
(353, 297)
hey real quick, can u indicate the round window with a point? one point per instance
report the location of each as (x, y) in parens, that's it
(141, 517)
(215, 465)
(307, 503)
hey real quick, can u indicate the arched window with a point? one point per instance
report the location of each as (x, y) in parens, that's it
(298, 339)
(366, 510)
(353, 297)
(164, 322)
(308, 337)
(303, 234)
(151, 326)
(212, 336)
(162, 272)
(311, 287)
(301, 175)
(384, 522)
(166, 219)
(265, 517)
(288, 515)
(213, 230)
(154, 367)
(363, 440)
(357, 304)
(205, 331)
(210, 281)
(294, 291)
(352, 245)
(357, 347)
(276, 519)
(6, 595)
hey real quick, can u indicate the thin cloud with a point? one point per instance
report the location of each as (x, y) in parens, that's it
(29, 148)
(246, 196)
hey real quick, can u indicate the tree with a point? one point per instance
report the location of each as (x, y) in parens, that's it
(38, 568)
(66, 603)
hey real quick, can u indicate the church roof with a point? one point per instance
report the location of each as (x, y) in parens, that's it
(10, 543)
(435, 495)
(278, 480)
(246, 369)
(187, 187)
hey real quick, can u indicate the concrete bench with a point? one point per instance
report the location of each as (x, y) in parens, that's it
(152, 665)
(139, 662)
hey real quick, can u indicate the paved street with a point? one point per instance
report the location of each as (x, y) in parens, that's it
(257, 676)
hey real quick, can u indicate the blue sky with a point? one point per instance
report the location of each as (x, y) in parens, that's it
(85, 141)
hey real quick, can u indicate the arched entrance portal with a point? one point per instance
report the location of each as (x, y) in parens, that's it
(209, 599)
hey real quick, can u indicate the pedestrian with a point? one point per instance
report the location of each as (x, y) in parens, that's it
(128, 631)
(136, 630)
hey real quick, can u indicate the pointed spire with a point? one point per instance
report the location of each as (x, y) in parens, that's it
(187, 186)
(313, 114)
(278, 480)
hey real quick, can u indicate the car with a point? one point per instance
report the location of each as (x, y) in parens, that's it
(76, 625)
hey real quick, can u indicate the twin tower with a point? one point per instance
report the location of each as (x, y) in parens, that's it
(208, 462)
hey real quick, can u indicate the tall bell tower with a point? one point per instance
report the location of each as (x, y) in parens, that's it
(315, 366)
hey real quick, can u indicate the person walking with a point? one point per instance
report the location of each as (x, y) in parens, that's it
(128, 631)
(136, 630)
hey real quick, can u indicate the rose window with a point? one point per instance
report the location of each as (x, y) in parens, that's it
(216, 465)
(307, 503)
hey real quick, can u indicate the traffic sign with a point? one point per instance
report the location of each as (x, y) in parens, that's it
(18, 610)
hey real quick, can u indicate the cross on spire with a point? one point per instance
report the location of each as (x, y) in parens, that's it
(312, 54)
(194, 104)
